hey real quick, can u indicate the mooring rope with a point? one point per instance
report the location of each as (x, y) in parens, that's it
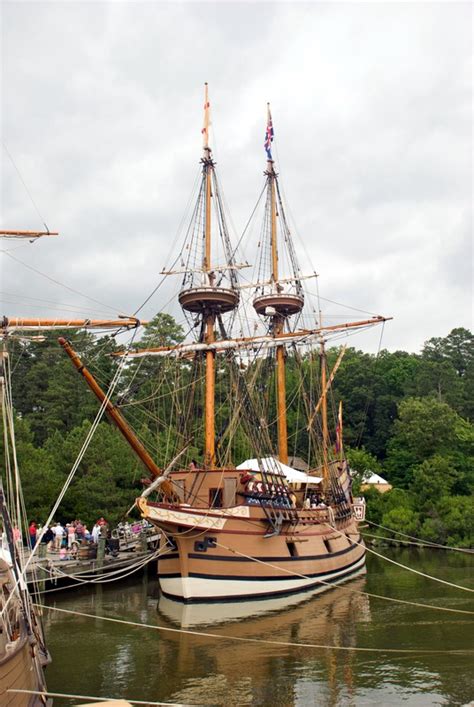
(421, 543)
(358, 591)
(410, 569)
(425, 542)
(262, 641)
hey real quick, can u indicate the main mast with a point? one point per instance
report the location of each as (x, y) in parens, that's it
(209, 315)
(274, 302)
(201, 293)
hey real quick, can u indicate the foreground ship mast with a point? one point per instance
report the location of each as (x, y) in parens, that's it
(202, 293)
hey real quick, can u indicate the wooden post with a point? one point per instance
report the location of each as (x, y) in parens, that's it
(143, 541)
(101, 540)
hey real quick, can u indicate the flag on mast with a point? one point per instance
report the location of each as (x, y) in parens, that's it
(339, 429)
(269, 134)
(207, 119)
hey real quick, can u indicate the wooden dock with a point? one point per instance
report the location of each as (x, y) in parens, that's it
(53, 571)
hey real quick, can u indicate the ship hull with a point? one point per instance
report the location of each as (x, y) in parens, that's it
(19, 671)
(204, 588)
(230, 555)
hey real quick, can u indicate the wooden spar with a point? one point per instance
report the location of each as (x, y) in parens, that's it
(19, 323)
(28, 234)
(210, 436)
(328, 385)
(281, 404)
(250, 341)
(208, 172)
(209, 426)
(324, 414)
(278, 322)
(209, 421)
(116, 417)
(271, 174)
(254, 285)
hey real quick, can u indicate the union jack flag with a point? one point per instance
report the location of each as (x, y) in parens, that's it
(269, 134)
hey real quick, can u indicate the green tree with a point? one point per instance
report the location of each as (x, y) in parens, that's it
(425, 427)
(457, 348)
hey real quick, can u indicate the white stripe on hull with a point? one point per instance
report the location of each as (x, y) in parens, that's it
(206, 589)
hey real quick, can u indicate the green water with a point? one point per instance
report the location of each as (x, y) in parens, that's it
(95, 658)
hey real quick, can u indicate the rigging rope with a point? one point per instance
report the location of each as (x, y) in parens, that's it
(70, 477)
(425, 542)
(24, 184)
(262, 641)
(58, 282)
(410, 569)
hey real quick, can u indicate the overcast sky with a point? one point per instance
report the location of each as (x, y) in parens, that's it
(372, 106)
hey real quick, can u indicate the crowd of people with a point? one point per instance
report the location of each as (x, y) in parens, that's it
(314, 500)
(257, 492)
(59, 537)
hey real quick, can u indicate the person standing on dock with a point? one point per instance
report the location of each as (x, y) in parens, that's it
(32, 534)
(71, 534)
(79, 530)
(58, 531)
(96, 533)
(48, 537)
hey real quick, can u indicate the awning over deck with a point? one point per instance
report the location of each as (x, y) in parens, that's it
(273, 466)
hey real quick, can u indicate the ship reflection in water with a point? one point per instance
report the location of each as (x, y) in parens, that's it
(248, 672)
(276, 610)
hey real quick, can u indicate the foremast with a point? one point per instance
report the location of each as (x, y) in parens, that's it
(209, 315)
(205, 290)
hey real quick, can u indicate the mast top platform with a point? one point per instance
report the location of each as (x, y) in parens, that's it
(285, 304)
(215, 300)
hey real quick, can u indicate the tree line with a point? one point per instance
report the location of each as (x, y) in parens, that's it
(406, 416)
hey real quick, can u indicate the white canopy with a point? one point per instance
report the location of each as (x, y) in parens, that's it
(371, 477)
(276, 467)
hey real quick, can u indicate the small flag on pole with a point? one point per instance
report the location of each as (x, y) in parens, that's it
(339, 429)
(207, 121)
(269, 134)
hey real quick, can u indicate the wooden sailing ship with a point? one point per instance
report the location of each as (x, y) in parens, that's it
(234, 529)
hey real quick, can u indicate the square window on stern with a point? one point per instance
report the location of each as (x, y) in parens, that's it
(215, 498)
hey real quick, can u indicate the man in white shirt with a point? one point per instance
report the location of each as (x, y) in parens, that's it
(58, 531)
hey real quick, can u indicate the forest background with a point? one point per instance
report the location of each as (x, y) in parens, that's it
(406, 416)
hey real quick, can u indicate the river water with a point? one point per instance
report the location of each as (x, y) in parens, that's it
(101, 659)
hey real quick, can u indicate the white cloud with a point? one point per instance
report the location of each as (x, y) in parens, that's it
(101, 110)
